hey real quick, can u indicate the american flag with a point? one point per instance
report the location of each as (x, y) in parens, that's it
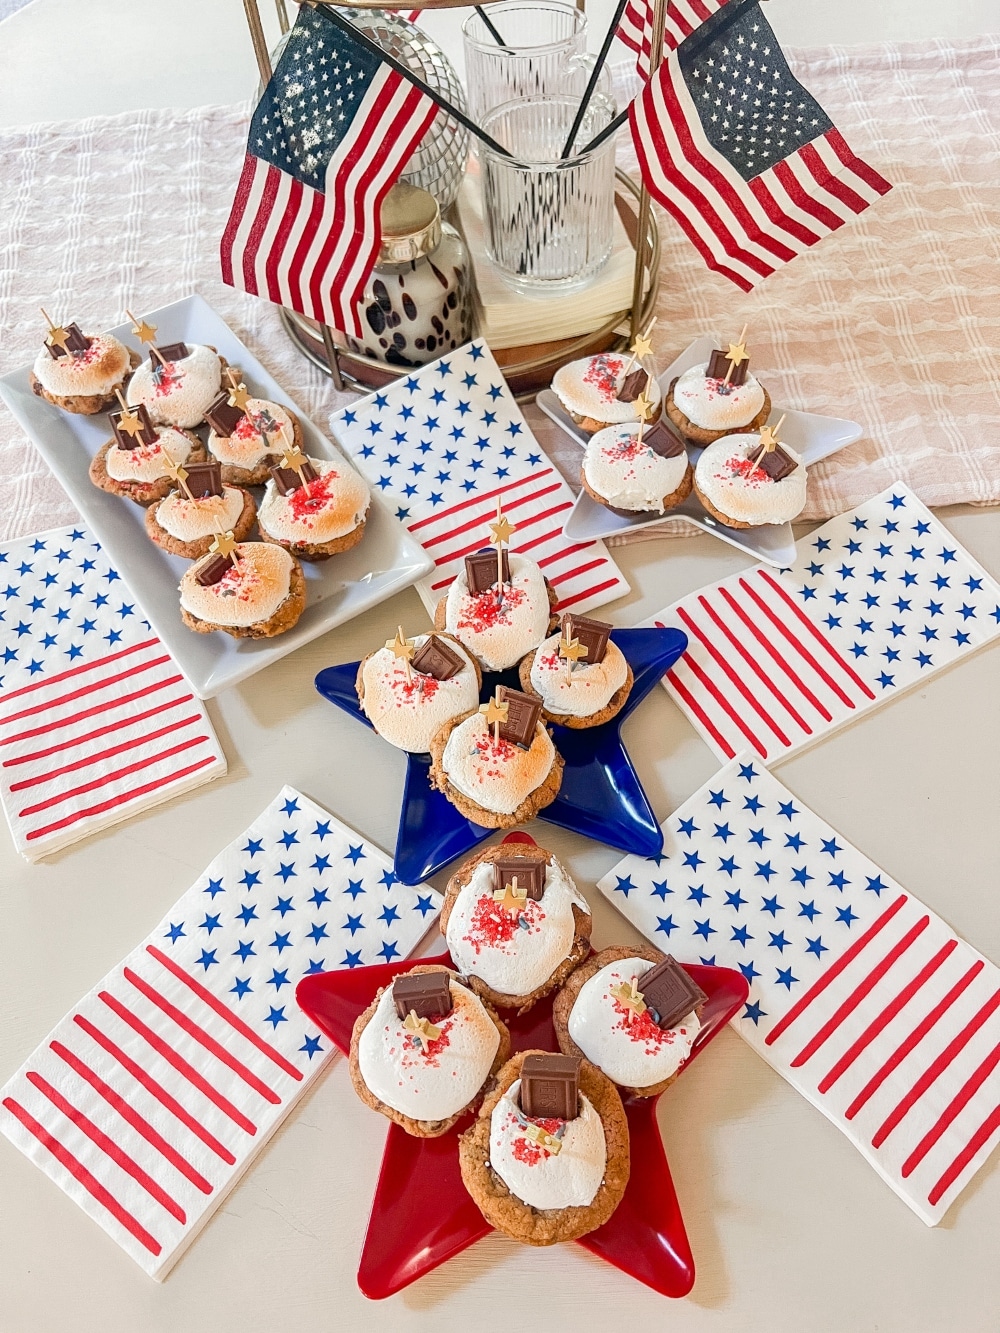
(328, 138)
(151, 1098)
(96, 721)
(442, 445)
(860, 997)
(682, 17)
(878, 600)
(740, 154)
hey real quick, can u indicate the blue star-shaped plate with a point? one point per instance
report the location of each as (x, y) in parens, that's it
(601, 795)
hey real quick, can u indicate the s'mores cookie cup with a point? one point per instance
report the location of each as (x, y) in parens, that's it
(410, 688)
(547, 1158)
(260, 593)
(140, 461)
(745, 481)
(604, 390)
(634, 1012)
(498, 623)
(718, 397)
(249, 440)
(185, 521)
(79, 372)
(581, 678)
(497, 765)
(515, 923)
(424, 1049)
(312, 507)
(177, 383)
(632, 471)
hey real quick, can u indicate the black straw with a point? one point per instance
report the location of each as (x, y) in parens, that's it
(595, 74)
(491, 27)
(606, 133)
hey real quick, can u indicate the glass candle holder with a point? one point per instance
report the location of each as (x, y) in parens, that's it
(548, 222)
(539, 41)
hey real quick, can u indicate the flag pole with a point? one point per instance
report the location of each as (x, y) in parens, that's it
(259, 41)
(595, 74)
(333, 15)
(642, 225)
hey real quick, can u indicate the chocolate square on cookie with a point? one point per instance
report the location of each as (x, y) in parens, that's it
(523, 712)
(132, 427)
(288, 479)
(170, 352)
(662, 441)
(435, 658)
(593, 634)
(530, 875)
(718, 369)
(632, 386)
(222, 416)
(213, 570)
(670, 993)
(550, 1086)
(204, 479)
(775, 462)
(481, 571)
(427, 994)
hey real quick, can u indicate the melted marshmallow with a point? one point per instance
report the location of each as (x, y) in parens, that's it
(104, 364)
(407, 712)
(588, 388)
(437, 1083)
(495, 774)
(148, 462)
(536, 1176)
(513, 954)
(499, 630)
(329, 507)
(190, 520)
(179, 394)
(264, 431)
(714, 405)
(630, 1048)
(585, 690)
(729, 481)
(247, 594)
(627, 473)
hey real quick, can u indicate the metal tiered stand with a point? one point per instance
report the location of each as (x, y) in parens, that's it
(526, 368)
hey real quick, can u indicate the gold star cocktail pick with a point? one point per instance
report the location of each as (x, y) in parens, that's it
(502, 531)
(769, 439)
(402, 648)
(495, 712)
(179, 474)
(644, 406)
(570, 649)
(58, 336)
(421, 1029)
(128, 422)
(295, 460)
(627, 994)
(146, 333)
(511, 897)
(737, 354)
(642, 345)
(224, 544)
(239, 395)
(543, 1138)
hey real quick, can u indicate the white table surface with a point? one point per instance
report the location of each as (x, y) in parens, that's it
(790, 1229)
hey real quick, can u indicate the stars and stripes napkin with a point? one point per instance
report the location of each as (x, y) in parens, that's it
(441, 446)
(152, 1097)
(879, 599)
(96, 721)
(865, 1001)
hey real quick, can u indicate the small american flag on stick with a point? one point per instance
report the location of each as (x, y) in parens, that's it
(329, 137)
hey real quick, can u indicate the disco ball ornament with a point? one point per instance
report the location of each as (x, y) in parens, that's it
(438, 164)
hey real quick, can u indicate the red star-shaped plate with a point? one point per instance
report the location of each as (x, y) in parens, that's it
(422, 1215)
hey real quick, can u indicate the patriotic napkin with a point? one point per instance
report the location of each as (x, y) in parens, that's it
(865, 1001)
(96, 720)
(879, 599)
(442, 445)
(152, 1097)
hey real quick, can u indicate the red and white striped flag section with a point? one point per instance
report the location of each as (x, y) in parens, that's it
(878, 600)
(863, 999)
(739, 153)
(328, 139)
(157, 1091)
(96, 721)
(442, 445)
(682, 18)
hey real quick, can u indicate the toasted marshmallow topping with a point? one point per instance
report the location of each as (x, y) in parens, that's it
(104, 364)
(728, 479)
(589, 388)
(247, 594)
(178, 392)
(495, 774)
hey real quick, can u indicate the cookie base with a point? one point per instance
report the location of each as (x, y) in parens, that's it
(698, 434)
(259, 475)
(283, 619)
(614, 705)
(194, 550)
(670, 501)
(317, 551)
(546, 1226)
(421, 1129)
(82, 404)
(582, 922)
(141, 492)
(719, 516)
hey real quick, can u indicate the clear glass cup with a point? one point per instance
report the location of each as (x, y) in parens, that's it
(548, 223)
(539, 39)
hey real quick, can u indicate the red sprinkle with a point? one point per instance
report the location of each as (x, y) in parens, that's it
(640, 1028)
(482, 612)
(321, 492)
(493, 925)
(603, 373)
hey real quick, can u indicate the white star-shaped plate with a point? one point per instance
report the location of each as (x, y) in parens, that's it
(812, 436)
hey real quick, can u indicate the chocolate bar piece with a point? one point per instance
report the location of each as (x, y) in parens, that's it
(170, 352)
(287, 480)
(204, 479)
(213, 570)
(435, 658)
(427, 994)
(632, 385)
(523, 712)
(777, 464)
(222, 416)
(550, 1086)
(481, 571)
(662, 440)
(718, 369)
(123, 438)
(530, 875)
(669, 992)
(76, 341)
(593, 634)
